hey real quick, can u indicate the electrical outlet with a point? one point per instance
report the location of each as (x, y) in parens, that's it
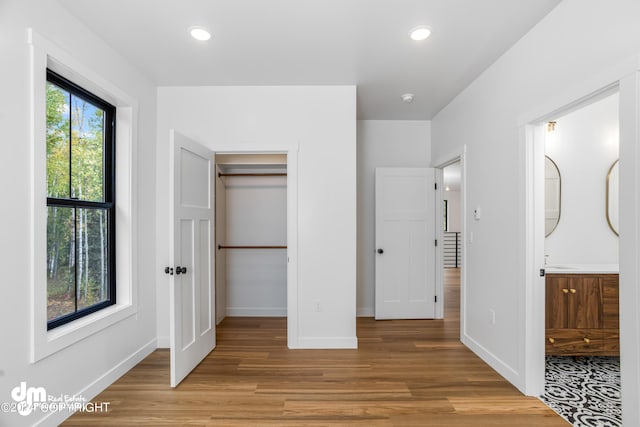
(316, 306)
(492, 316)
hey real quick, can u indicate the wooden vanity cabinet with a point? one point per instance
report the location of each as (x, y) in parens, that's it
(582, 314)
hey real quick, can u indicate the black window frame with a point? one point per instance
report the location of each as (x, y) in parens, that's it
(109, 203)
(445, 207)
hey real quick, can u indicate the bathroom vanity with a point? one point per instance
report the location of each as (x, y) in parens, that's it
(581, 317)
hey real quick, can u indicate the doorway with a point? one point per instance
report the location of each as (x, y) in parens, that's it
(450, 280)
(251, 235)
(575, 242)
(193, 173)
(451, 239)
(578, 234)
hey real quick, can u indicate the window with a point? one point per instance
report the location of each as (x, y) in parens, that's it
(80, 162)
(445, 215)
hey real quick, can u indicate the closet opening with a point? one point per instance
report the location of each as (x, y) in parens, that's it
(251, 246)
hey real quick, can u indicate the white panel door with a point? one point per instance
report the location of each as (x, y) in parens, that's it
(405, 243)
(192, 299)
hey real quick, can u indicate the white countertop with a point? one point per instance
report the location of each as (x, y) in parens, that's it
(582, 269)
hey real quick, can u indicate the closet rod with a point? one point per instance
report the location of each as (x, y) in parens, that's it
(250, 247)
(251, 174)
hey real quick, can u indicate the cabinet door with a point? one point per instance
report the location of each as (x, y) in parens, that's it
(611, 305)
(585, 302)
(557, 294)
(610, 315)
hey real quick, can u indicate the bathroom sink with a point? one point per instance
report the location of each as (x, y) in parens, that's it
(582, 268)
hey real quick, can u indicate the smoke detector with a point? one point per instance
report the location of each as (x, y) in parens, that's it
(407, 97)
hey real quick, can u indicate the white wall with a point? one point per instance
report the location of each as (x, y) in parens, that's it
(382, 143)
(322, 121)
(453, 209)
(584, 145)
(256, 214)
(580, 47)
(89, 365)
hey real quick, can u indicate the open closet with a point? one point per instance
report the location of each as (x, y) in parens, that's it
(251, 235)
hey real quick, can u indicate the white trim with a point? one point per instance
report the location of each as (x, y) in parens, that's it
(630, 246)
(491, 359)
(100, 384)
(256, 312)
(531, 294)
(449, 158)
(45, 54)
(439, 263)
(465, 249)
(327, 343)
(291, 150)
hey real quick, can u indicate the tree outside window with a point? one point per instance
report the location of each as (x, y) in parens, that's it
(80, 202)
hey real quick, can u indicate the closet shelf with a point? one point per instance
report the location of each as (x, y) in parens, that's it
(252, 174)
(249, 247)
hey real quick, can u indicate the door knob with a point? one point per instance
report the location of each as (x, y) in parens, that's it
(380, 251)
(168, 270)
(181, 270)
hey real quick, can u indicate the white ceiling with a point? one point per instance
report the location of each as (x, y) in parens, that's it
(318, 42)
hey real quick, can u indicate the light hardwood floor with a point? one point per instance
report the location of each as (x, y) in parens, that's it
(404, 373)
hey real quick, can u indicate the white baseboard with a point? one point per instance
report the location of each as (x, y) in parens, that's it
(327, 343)
(365, 312)
(100, 384)
(494, 362)
(163, 342)
(256, 312)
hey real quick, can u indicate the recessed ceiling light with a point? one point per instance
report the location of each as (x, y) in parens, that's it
(407, 97)
(200, 33)
(420, 33)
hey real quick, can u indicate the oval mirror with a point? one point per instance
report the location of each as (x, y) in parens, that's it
(552, 187)
(612, 197)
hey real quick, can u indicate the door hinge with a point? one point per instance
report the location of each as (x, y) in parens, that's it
(435, 298)
(542, 272)
(435, 186)
(436, 242)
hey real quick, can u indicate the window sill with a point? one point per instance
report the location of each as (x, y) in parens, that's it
(48, 342)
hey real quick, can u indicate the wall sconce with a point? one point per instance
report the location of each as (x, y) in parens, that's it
(551, 126)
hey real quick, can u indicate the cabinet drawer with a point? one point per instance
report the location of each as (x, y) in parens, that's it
(574, 342)
(611, 345)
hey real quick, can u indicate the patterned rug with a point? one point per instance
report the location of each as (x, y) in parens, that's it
(584, 391)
